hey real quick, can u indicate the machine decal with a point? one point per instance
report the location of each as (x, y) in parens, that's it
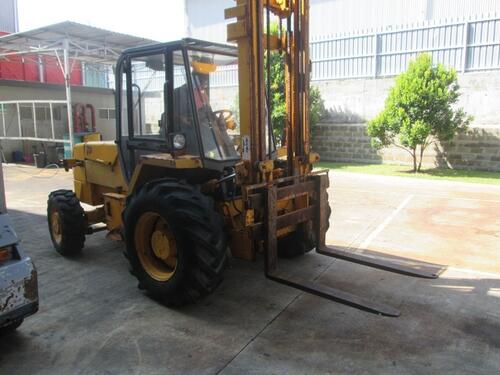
(245, 145)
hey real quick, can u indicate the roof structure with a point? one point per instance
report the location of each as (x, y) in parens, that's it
(84, 43)
(68, 41)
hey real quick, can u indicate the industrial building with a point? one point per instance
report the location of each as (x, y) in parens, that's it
(9, 21)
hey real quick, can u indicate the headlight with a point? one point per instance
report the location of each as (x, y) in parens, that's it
(179, 141)
(6, 253)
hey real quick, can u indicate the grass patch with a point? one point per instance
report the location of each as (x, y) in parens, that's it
(478, 177)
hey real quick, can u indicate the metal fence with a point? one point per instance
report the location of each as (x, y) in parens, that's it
(466, 46)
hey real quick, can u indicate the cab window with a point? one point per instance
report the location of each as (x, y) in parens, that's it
(215, 105)
(148, 79)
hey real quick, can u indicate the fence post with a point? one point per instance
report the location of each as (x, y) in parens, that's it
(465, 46)
(375, 55)
(34, 119)
(3, 121)
(19, 119)
(52, 120)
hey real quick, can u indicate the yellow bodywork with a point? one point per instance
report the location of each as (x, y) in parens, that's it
(98, 176)
(97, 171)
(99, 182)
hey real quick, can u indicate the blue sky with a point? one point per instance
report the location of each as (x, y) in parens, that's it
(160, 20)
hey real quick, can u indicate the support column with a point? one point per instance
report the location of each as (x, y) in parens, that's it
(41, 70)
(3, 203)
(67, 83)
(465, 47)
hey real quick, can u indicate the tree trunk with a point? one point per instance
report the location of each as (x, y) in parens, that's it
(414, 156)
(422, 148)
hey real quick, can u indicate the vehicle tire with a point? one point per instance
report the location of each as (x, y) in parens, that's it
(12, 326)
(66, 221)
(175, 241)
(302, 241)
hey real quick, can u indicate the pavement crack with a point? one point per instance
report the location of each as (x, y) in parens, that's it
(259, 333)
(272, 320)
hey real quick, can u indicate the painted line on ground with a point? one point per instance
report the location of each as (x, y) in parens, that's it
(417, 194)
(474, 272)
(383, 224)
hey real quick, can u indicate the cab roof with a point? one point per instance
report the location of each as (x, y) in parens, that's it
(190, 43)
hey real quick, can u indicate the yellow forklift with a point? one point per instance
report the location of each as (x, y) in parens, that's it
(190, 179)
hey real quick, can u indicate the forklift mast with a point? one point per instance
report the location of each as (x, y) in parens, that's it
(252, 33)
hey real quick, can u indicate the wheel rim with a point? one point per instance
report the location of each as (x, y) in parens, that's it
(155, 246)
(55, 226)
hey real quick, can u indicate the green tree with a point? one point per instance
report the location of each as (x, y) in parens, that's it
(317, 109)
(277, 102)
(420, 110)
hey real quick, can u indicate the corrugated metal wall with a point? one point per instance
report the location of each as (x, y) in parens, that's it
(446, 9)
(466, 46)
(8, 16)
(331, 17)
(206, 19)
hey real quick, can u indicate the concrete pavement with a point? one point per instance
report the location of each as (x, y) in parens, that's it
(94, 320)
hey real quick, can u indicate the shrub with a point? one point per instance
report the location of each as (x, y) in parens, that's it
(419, 110)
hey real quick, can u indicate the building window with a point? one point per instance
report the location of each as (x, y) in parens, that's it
(26, 113)
(103, 113)
(56, 113)
(107, 113)
(42, 113)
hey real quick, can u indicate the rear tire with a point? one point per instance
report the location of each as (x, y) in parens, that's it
(66, 220)
(190, 228)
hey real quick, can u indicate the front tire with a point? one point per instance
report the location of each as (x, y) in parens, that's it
(175, 241)
(66, 220)
(297, 243)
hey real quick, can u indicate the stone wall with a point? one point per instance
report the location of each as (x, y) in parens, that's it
(478, 149)
(352, 102)
(359, 100)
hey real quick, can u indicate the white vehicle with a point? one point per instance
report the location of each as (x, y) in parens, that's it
(18, 280)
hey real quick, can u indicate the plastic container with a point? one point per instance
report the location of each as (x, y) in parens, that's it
(17, 156)
(40, 159)
(68, 152)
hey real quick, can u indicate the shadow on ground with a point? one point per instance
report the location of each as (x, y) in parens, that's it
(93, 319)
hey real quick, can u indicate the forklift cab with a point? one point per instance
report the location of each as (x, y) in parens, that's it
(167, 101)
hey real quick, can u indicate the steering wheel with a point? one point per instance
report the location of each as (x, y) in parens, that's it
(225, 116)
